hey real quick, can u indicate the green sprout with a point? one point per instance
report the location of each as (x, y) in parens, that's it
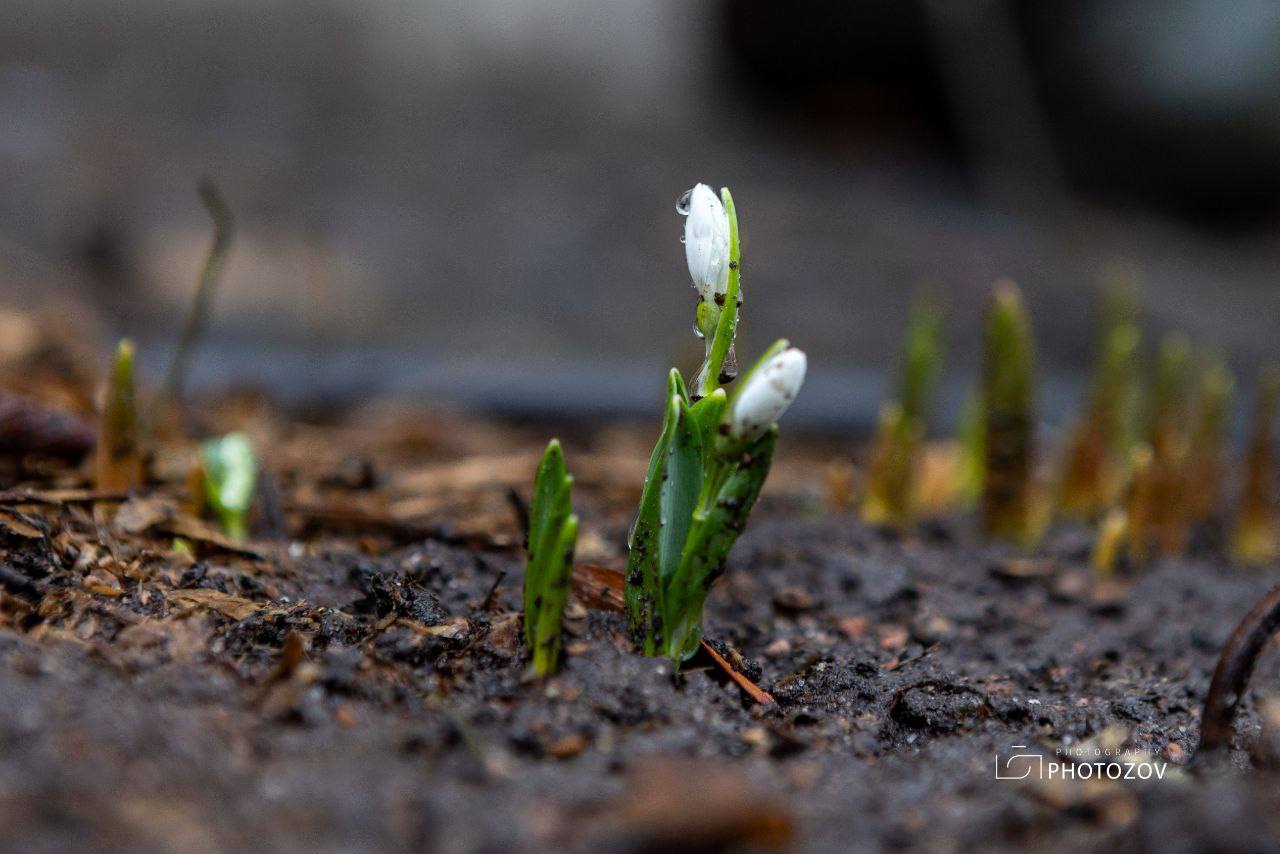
(890, 492)
(119, 457)
(1008, 403)
(1141, 512)
(553, 534)
(713, 453)
(971, 467)
(1099, 448)
(1255, 539)
(1206, 465)
(230, 473)
(1169, 438)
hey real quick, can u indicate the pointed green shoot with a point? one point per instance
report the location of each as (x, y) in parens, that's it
(1255, 539)
(1169, 437)
(644, 555)
(972, 439)
(889, 496)
(553, 536)
(119, 457)
(1008, 403)
(1206, 468)
(230, 475)
(921, 361)
(1097, 457)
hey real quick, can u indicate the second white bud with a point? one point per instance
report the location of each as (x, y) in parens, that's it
(766, 394)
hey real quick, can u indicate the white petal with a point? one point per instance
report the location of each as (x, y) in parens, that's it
(706, 240)
(767, 394)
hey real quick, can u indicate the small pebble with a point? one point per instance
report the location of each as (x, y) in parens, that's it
(567, 747)
(777, 648)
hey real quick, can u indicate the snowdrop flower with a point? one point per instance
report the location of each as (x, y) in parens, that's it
(706, 240)
(766, 394)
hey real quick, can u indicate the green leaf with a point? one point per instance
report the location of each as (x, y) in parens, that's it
(553, 533)
(550, 510)
(716, 526)
(546, 637)
(707, 414)
(681, 486)
(230, 474)
(642, 590)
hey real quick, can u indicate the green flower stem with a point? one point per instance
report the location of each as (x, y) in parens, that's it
(712, 375)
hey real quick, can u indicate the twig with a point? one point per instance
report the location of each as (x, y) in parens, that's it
(1235, 666)
(17, 583)
(599, 587)
(59, 498)
(223, 230)
(492, 595)
(521, 509)
(748, 687)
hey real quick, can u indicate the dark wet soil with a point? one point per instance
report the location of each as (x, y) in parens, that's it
(367, 692)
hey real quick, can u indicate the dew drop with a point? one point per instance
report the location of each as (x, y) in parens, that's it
(684, 202)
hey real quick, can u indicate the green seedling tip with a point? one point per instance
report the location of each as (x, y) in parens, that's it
(553, 536)
(230, 475)
(1096, 462)
(888, 496)
(1169, 438)
(921, 360)
(1206, 467)
(1255, 539)
(119, 456)
(1008, 406)
(972, 464)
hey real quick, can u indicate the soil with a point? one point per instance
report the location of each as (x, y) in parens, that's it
(352, 677)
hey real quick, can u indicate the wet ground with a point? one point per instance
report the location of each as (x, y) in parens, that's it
(353, 678)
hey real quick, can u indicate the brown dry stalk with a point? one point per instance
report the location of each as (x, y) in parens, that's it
(1235, 666)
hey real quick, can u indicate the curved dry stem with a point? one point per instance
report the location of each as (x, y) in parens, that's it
(1235, 666)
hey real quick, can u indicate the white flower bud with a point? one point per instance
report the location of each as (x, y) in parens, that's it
(766, 394)
(706, 240)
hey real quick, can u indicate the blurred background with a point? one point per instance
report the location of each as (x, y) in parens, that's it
(474, 201)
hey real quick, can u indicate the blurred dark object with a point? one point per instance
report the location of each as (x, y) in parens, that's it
(1173, 105)
(29, 428)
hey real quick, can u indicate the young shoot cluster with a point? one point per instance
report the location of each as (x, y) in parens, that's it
(1145, 463)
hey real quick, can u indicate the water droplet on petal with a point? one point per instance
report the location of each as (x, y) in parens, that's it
(683, 203)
